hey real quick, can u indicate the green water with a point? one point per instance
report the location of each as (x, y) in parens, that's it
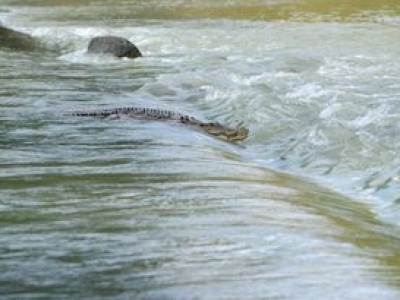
(306, 208)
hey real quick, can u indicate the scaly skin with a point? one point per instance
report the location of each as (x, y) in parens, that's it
(213, 128)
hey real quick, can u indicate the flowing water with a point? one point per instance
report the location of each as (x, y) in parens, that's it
(306, 208)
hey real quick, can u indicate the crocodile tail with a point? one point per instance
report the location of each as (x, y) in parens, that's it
(102, 113)
(81, 114)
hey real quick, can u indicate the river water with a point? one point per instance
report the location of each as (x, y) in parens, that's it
(306, 208)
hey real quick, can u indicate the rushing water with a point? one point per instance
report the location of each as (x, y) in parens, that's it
(306, 208)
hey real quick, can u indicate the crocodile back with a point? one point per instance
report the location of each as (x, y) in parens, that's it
(213, 128)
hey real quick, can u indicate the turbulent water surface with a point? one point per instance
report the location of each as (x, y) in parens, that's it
(306, 208)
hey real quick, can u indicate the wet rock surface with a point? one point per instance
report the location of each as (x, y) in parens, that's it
(18, 41)
(113, 45)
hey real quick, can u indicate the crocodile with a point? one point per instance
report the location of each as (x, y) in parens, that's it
(215, 129)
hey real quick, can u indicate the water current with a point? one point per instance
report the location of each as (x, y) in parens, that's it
(306, 208)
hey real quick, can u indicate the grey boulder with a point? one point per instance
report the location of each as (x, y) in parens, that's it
(113, 45)
(17, 41)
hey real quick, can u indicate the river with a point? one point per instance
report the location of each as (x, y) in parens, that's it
(306, 208)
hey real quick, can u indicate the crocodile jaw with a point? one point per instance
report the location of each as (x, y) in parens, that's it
(227, 134)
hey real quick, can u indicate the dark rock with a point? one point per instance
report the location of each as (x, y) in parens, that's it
(16, 40)
(117, 46)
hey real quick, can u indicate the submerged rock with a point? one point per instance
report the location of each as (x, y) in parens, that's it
(16, 40)
(117, 46)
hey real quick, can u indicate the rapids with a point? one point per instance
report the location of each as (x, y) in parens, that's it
(306, 208)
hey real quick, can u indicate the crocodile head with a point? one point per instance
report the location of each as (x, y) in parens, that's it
(229, 134)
